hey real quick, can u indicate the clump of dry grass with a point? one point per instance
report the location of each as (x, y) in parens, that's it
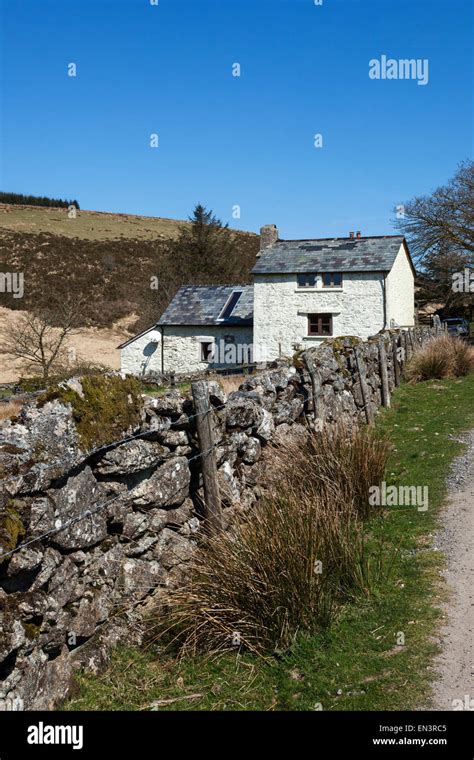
(229, 383)
(353, 457)
(10, 409)
(287, 568)
(443, 357)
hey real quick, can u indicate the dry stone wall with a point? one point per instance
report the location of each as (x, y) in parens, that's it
(87, 536)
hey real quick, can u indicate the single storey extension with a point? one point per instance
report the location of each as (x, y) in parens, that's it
(204, 327)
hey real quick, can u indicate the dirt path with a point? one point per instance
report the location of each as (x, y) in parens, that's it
(454, 686)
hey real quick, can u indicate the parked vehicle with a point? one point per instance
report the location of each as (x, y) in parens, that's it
(458, 327)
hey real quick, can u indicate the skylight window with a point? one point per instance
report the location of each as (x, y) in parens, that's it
(230, 305)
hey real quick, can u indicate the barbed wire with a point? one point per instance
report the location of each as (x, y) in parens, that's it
(91, 512)
(151, 431)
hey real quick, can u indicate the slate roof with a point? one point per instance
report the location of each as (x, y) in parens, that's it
(365, 254)
(202, 304)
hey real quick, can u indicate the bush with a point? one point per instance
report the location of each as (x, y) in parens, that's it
(287, 568)
(443, 357)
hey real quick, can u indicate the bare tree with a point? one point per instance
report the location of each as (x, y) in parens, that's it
(440, 231)
(443, 221)
(39, 339)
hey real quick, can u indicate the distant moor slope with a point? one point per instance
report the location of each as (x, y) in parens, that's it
(87, 225)
(106, 262)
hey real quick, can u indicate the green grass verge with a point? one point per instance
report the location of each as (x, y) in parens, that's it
(149, 389)
(357, 664)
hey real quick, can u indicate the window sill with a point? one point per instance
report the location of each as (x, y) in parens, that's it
(317, 337)
(319, 290)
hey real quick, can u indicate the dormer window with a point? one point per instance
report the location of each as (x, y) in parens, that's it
(307, 280)
(332, 279)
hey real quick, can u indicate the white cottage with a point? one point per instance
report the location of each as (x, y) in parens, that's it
(308, 290)
(304, 291)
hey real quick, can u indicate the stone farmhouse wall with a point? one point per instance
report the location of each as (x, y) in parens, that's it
(87, 537)
(143, 354)
(182, 349)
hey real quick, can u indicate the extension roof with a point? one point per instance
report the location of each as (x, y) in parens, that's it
(206, 305)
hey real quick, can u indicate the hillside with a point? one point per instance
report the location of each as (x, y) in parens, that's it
(106, 261)
(88, 225)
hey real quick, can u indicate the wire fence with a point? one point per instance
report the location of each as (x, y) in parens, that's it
(89, 513)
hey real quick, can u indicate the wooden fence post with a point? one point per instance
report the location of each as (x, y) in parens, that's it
(361, 368)
(396, 366)
(404, 339)
(318, 406)
(384, 374)
(212, 499)
(408, 344)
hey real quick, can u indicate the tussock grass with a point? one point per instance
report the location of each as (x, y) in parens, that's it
(288, 567)
(442, 358)
(10, 409)
(353, 457)
(230, 383)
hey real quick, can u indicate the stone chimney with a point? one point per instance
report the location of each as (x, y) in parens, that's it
(268, 235)
(358, 235)
(351, 235)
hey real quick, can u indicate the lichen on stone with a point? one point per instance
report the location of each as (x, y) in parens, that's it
(343, 342)
(108, 407)
(12, 529)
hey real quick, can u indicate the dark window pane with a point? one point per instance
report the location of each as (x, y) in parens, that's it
(326, 324)
(319, 324)
(338, 279)
(327, 279)
(306, 280)
(231, 304)
(206, 352)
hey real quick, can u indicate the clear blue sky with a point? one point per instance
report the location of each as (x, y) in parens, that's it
(166, 69)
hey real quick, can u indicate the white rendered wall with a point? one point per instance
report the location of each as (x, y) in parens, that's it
(401, 292)
(182, 349)
(280, 310)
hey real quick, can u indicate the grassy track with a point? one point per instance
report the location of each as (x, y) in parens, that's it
(357, 664)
